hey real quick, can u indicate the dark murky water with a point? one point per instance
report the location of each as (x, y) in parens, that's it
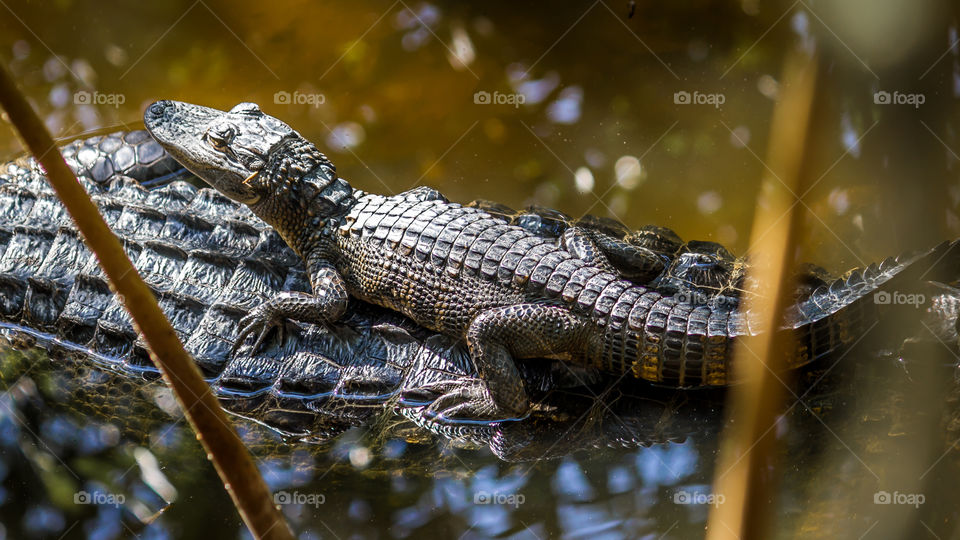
(658, 118)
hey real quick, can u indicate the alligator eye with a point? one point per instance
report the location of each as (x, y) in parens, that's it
(250, 109)
(704, 260)
(220, 137)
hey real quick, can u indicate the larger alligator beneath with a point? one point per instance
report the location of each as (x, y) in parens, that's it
(507, 292)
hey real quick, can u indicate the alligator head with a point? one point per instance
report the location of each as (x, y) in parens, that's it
(253, 158)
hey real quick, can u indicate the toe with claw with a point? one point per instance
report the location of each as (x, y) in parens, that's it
(261, 321)
(464, 399)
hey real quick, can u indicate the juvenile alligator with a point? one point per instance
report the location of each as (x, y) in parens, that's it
(509, 293)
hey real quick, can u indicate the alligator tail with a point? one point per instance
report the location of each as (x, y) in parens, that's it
(881, 303)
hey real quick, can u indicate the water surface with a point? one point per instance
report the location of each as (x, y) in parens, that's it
(662, 118)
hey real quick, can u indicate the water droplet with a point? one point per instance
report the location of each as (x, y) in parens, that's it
(360, 457)
(595, 158)
(537, 90)
(115, 55)
(59, 96)
(709, 202)
(740, 136)
(21, 50)
(566, 109)
(629, 172)
(583, 180)
(53, 69)
(346, 135)
(768, 86)
(850, 137)
(726, 234)
(839, 200)
(461, 53)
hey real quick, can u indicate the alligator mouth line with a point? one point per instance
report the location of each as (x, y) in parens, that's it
(250, 178)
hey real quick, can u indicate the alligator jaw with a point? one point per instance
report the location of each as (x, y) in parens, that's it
(254, 159)
(227, 149)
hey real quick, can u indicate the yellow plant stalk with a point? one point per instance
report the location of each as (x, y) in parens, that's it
(747, 443)
(230, 458)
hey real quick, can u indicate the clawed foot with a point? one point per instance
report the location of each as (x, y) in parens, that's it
(462, 399)
(261, 320)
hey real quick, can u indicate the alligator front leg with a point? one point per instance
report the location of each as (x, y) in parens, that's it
(636, 263)
(497, 336)
(327, 304)
(580, 243)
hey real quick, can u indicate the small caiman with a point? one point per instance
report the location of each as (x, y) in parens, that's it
(507, 292)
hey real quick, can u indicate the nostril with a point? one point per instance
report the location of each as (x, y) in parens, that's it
(157, 108)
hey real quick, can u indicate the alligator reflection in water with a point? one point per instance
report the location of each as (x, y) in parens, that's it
(870, 420)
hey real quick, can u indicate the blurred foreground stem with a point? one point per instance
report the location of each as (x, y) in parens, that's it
(233, 463)
(743, 476)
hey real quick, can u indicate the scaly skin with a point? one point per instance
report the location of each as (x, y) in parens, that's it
(509, 293)
(103, 158)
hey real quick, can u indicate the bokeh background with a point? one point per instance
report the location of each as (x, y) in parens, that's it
(394, 92)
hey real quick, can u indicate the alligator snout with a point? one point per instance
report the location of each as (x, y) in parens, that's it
(156, 111)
